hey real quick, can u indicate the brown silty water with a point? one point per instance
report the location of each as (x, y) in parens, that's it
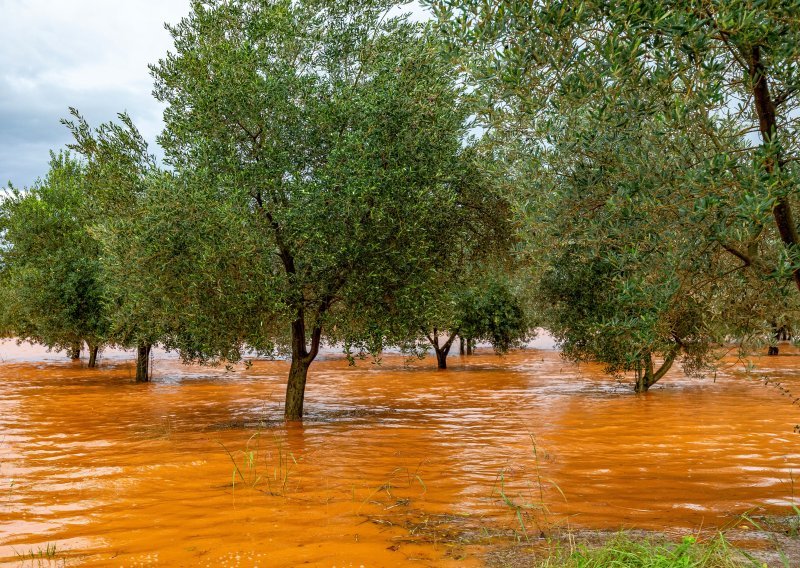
(394, 463)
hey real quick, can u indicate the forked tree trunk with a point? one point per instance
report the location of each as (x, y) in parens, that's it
(298, 372)
(301, 357)
(441, 350)
(75, 351)
(647, 377)
(93, 350)
(143, 363)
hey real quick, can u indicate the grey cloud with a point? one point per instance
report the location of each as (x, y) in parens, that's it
(29, 129)
(89, 54)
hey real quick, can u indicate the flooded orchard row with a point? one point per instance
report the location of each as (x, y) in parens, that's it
(196, 468)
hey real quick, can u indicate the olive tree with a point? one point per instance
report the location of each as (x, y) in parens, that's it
(625, 265)
(50, 267)
(479, 306)
(704, 91)
(332, 133)
(118, 171)
(470, 294)
(726, 72)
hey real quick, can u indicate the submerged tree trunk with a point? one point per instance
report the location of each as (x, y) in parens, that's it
(298, 372)
(773, 349)
(302, 357)
(296, 389)
(75, 351)
(143, 363)
(461, 347)
(441, 350)
(93, 350)
(470, 346)
(647, 377)
(441, 358)
(781, 333)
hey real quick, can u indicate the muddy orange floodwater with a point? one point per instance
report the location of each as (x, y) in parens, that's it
(196, 468)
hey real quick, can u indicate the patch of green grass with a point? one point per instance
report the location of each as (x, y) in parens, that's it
(255, 466)
(622, 551)
(48, 552)
(532, 511)
(794, 522)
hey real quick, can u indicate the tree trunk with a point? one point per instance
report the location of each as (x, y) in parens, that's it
(779, 333)
(301, 357)
(461, 350)
(298, 372)
(646, 378)
(441, 357)
(143, 363)
(443, 350)
(768, 128)
(93, 349)
(75, 351)
(295, 390)
(776, 335)
(644, 374)
(470, 346)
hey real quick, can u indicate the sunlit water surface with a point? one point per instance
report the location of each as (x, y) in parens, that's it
(115, 473)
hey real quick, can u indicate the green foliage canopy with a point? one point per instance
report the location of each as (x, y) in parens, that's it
(333, 134)
(50, 264)
(655, 148)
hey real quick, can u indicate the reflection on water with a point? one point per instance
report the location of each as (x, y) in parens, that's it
(122, 474)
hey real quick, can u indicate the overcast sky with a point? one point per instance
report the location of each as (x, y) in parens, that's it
(89, 54)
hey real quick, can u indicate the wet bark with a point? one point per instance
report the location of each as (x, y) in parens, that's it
(301, 356)
(441, 350)
(773, 349)
(295, 390)
(75, 351)
(93, 350)
(143, 363)
(647, 377)
(441, 358)
(298, 372)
